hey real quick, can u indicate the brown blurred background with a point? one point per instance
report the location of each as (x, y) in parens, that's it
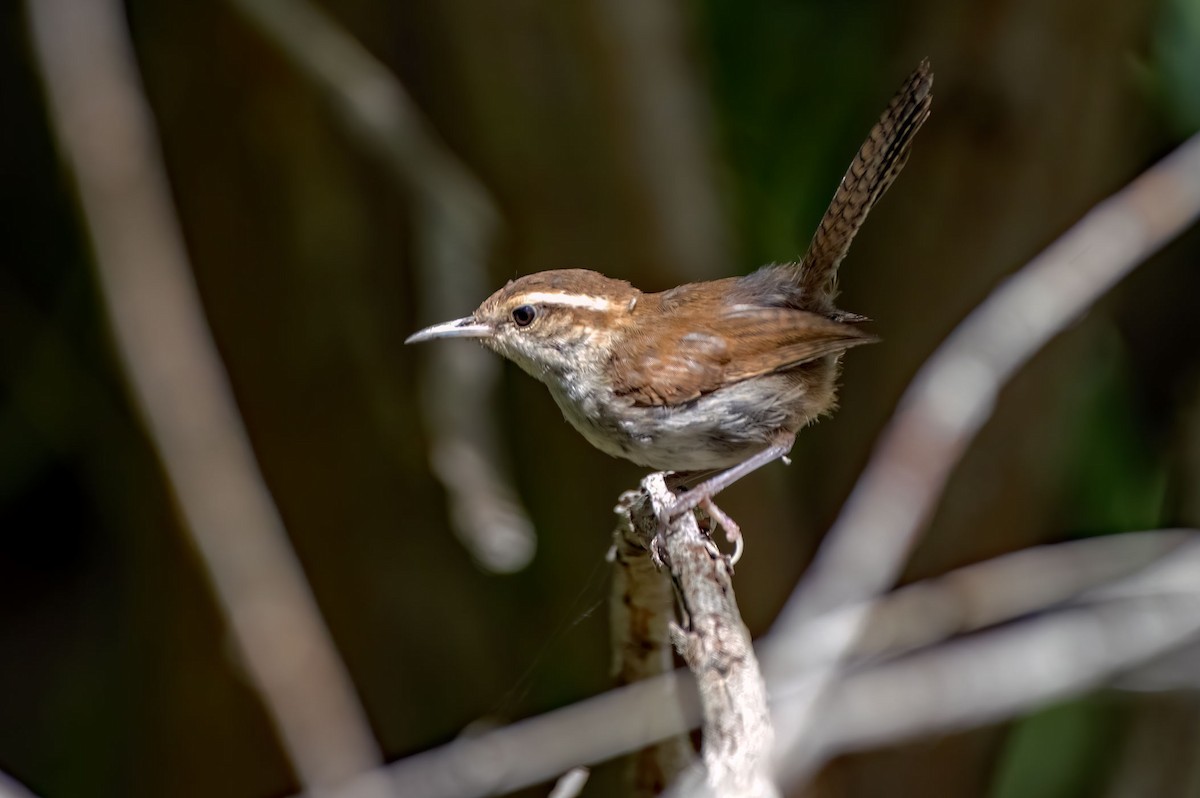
(655, 142)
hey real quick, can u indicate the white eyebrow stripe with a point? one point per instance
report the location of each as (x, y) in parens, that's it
(567, 300)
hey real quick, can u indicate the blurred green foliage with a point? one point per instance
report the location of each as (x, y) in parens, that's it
(1117, 475)
(1064, 751)
(1177, 63)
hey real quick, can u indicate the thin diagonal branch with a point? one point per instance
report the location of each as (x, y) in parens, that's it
(953, 395)
(177, 381)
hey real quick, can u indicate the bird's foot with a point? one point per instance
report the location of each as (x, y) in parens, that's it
(733, 532)
(693, 499)
(702, 495)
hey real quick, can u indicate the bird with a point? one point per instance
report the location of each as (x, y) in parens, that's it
(713, 376)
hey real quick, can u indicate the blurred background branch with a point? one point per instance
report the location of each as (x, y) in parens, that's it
(455, 225)
(954, 394)
(570, 784)
(107, 135)
(1005, 671)
(666, 128)
(11, 788)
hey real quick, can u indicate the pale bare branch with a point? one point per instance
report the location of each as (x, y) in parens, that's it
(107, 136)
(641, 614)
(538, 749)
(969, 599)
(713, 641)
(571, 783)
(953, 395)
(11, 788)
(455, 225)
(665, 127)
(1001, 673)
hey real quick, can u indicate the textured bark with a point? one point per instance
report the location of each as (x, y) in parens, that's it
(713, 641)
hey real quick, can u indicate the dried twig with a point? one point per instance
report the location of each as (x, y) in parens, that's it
(177, 380)
(715, 644)
(953, 395)
(642, 613)
(455, 224)
(954, 392)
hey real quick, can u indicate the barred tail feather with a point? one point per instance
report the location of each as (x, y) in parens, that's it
(873, 170)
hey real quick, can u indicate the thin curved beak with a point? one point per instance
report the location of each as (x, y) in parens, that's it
(459, 328)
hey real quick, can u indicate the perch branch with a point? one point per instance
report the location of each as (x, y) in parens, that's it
(107, 136)
(642, 614)
(713, 641)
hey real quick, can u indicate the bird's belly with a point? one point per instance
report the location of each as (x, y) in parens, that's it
(716, 431)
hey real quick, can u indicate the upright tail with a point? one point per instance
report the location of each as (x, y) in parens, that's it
(876, 165)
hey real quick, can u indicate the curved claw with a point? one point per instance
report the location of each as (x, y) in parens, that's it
(733, 532)
(739, 546)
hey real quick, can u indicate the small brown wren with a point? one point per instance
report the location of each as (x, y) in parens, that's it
(709, 376)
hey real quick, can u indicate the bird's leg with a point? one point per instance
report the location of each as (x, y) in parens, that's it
(733, 532)
(711, 487)
(702, 495)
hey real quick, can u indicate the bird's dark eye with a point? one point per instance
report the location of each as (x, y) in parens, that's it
(524, 315)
